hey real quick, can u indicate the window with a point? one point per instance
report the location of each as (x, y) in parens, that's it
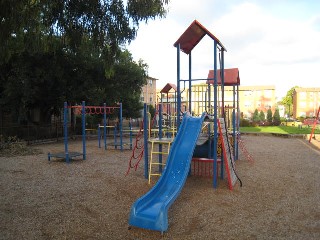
(302, 104)
(258, 93)
(303, 95)
(268, 93)
(247, 104)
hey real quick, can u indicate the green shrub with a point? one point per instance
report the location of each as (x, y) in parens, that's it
(244, 123)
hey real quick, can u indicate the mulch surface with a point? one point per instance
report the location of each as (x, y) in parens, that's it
(91, 199)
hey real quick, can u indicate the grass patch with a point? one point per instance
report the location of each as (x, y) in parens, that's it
(279, 129)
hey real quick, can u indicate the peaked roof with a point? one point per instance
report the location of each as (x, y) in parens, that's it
(231, 77)
(192, 36)
(168, 87)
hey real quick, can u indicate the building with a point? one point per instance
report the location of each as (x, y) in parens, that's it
(149, 92)
(306, 102)
(251, 98)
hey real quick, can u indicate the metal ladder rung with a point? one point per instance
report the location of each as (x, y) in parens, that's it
(160, 153)
(155, 174)
(163, 164)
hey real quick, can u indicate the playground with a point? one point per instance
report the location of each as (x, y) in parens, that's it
(269, 189)
(91, 199)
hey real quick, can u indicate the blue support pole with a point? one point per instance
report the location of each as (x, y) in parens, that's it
(190, 77)
(208, 104)
(83, 116)
(120, 128)
(99, 136)
(160, 136)
(223, 109)
(65, 130)
(215, 117)
(130, 129)
(145, 138)
(178, 87)
(115, 136)
(105, 126)
(237, 123)
(222, 82)
(234, 122)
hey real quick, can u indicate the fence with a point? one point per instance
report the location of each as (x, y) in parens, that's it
(33, 133)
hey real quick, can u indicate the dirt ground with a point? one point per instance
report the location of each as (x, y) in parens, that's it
(91, 199)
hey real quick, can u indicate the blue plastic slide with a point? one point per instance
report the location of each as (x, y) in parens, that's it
(151, 210)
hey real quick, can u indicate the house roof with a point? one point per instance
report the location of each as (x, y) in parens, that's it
(193, 35)
(168, 87)
(231, 77)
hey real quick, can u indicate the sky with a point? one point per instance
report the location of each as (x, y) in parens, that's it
(271, 42)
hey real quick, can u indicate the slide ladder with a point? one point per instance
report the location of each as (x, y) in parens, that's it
(314, 124)
(161, 151)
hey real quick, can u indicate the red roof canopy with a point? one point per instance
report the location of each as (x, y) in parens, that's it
(168, 87)
(192, 36)
(231, 77)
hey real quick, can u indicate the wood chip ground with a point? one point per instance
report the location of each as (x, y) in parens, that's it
(91, 199)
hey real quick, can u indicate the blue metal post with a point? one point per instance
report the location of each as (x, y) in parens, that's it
(115, 136)
(83, 116)
(105, 126)
(222, 81)
(215, 117)
(234, 122)
(145, 138)
(238, 123)
(65, 130)
(178, 87)
(99, 136)
(208, 104)
(130, 129)
(190, 77)
(223, 109)
(170, 119)
(160, 136)
(120, 128)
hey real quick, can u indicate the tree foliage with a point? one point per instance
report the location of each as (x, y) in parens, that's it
(256, 117)
(54, 51)
(276, 117)
(287, 101)
(269, 115)
(262, 116)
(108, 23)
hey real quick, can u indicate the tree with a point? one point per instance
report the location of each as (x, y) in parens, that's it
(45, 81)
(108, 23)
(152, 110)
(256, 117)
(125, 86)
(269, 115)
(262, 116)
(287, 101)
(54, 51)
(276, 117)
